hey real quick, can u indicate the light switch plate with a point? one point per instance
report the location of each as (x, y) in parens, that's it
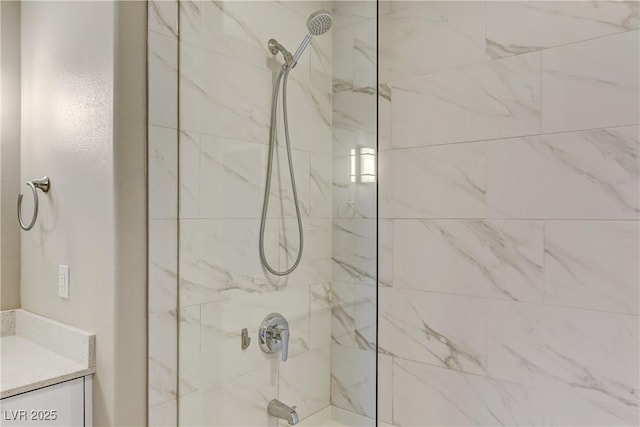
(63, 281)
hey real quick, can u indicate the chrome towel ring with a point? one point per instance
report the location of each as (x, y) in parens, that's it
(44, 185)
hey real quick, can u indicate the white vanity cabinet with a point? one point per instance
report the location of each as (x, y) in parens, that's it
(66, 404)
(47, 372)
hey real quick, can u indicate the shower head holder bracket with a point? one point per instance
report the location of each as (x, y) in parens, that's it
(275, 47)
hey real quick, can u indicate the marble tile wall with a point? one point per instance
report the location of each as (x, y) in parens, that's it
(226, 79)
(354, 213)
(207, 154)
(163, 213)
(509, 256)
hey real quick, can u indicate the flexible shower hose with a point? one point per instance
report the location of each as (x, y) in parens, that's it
(283, 75)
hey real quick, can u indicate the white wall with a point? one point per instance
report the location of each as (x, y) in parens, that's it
(9, 154)
(509, 203)
(82, 110)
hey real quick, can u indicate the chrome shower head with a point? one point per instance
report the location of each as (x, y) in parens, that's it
(319, 22)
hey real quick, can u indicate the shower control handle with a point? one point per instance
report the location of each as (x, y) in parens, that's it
(284, 338)
(273, 335)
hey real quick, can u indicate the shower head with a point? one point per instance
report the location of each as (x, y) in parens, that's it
(319, 22)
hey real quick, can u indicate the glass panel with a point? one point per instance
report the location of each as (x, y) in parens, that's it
(227, 77)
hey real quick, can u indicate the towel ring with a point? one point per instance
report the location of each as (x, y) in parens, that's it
(43, 184)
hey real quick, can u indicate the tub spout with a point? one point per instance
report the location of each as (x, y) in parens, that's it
(280, 410)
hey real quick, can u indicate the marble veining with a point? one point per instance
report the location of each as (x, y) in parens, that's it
(237, 401)
(193, 375)
(614, 151)
(518, 27)
(385, 252)
(353, 380)
(490, 258)
(417, 326)
(315, 266)
(355, 109)
(354, 254)
(163, 135)
(581, 273)
(225, 88)
(461, 399)
(320, 186)
(509, 182)
(494, 99)
(163, 357)
(222, 97)
(164, 414)
(308, 388)
(226, 82)
(163, 17)
(434, 182)
(343, 313)
(366, 318)
(580, 169)
(354, 315)
(348, 13)
(564, 348)
(385, 390)
(220, 260)
(163, 169)
(583, 91)
(163, 80)
(320, 315)
(365, 54)
(422, 29)
(343, 45)
(239, 31)
(234, 171)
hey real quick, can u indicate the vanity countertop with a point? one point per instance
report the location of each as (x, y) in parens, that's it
(37, 352)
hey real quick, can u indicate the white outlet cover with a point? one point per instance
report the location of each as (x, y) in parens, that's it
(63, 281)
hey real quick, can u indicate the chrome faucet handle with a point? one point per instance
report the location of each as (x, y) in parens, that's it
(274, 334)
(284, 337)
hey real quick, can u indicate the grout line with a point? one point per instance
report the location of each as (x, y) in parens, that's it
(178, 184)
(377, 216)
(545, 298)
(172, 37)
(247, 63)
(506, 219)
(565, 387)
(485, 62)
(174, 128)
(486, 337)
(528, 303)
(393, 362)
(486, 187)
(503, 138)
(148, 223)
(486, 25)
(541, 121)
